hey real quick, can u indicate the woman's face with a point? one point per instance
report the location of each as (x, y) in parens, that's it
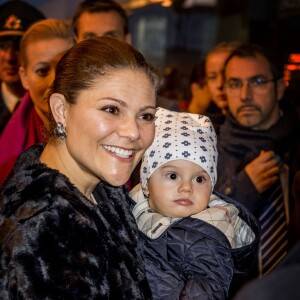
(37, 76)
(214, 68)
(110, 127)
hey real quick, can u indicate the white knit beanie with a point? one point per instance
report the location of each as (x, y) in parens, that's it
(180, 135)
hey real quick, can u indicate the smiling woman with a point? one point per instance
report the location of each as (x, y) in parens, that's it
(77, 237)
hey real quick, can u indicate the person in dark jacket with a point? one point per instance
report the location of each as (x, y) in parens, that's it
(283, 280)
(257, 147)
(66, 228)
(295, 216)
(281, 283)
(195, 240)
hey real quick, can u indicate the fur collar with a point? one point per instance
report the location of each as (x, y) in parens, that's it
(62, 245)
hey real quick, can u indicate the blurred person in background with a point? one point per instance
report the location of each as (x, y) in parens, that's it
(214, 65)
(42, 45)
(170, 93)
(258, 148)
(15, 18)
(200, 95)
(100, 18)
(108, 18)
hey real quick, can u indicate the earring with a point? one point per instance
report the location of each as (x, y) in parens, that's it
(60, 131)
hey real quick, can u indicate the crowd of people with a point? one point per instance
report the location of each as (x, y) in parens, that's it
(112, 189)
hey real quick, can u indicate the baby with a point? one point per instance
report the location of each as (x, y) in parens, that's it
(194, 239)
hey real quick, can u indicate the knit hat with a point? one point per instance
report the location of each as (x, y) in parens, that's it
(16, 17)
(180, 135)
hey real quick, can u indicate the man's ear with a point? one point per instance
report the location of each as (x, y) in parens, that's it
(58, 105)
(23, 78)
(280, 86)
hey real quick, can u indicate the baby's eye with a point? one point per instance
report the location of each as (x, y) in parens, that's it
(200, 179)
(111, 110)
(172, 176)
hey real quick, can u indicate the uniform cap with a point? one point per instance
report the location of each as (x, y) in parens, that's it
(16, 17)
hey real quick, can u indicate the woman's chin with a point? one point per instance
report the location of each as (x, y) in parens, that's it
(117, 181)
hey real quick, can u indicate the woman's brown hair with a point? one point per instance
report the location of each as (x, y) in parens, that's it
(93, 58)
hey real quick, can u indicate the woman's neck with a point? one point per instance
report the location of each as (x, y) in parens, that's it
(56, 156)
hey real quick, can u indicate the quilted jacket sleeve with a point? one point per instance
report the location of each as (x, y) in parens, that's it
(208, 269)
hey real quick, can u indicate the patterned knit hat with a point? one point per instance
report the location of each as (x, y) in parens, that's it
(181, 136)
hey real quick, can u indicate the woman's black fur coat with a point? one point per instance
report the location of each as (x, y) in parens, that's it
(56, 244)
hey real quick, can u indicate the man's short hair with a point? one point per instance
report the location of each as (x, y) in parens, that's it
(96, 6)
(252, 50)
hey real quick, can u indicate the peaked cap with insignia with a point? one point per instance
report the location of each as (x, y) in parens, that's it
(16, 17)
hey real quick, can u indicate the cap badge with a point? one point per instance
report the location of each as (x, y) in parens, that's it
(13, 23)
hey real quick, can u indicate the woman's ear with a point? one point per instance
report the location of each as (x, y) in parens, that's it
(194, 87)
(58, 105)
(23, 78)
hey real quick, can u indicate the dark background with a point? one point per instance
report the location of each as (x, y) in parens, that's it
(179, 37)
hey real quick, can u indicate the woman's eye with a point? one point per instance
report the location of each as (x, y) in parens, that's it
(42, 72)
(172, 176)
(148, 117)
(111, 109)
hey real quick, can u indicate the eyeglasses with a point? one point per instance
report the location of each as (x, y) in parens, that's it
(257, 84)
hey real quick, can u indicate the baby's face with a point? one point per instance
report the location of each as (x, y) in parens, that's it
(179, 189)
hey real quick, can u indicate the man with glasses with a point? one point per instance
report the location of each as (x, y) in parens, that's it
(256, 147)
(15, 18)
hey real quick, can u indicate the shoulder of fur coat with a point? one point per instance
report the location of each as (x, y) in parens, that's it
(56, 244)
